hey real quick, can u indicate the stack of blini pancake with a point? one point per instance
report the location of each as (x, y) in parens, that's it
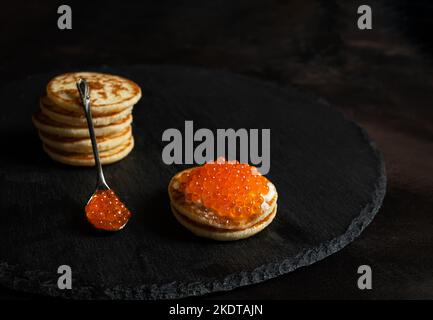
(62, 124)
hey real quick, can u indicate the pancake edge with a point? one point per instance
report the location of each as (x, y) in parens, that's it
(109, 159)
(218, 234)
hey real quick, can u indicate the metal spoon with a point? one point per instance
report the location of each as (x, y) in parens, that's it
(83, 89)
(101, 184)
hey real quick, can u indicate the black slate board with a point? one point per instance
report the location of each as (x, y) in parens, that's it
(330, 177)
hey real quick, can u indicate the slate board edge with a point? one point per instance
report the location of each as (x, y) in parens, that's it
(41, 282)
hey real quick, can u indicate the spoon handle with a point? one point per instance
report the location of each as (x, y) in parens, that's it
(83, 89)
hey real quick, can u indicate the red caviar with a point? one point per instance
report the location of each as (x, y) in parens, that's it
(105, 211)
(228, 188)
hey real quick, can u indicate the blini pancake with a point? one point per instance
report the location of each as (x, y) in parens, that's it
(47, 125)
(108, 93)
(84, 145)
(221, 225)
(223, 234)
(78, 159)
(197, 214)
(78, 119)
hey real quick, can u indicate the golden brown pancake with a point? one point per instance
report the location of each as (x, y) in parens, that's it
(78, 119)
(84, 145)
(87, 159)
(223, 234)
(62, 125)
(49, 126)
(108, 93)
(196, 213)
(205, 222)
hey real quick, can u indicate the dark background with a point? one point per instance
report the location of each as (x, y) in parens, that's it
(381, 78)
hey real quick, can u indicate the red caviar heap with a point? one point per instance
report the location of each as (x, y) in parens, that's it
(105, 211)
(228, 188)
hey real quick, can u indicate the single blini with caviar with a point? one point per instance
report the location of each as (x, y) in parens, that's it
(223, 200)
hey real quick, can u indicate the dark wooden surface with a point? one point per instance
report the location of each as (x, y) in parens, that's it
(381, 78)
